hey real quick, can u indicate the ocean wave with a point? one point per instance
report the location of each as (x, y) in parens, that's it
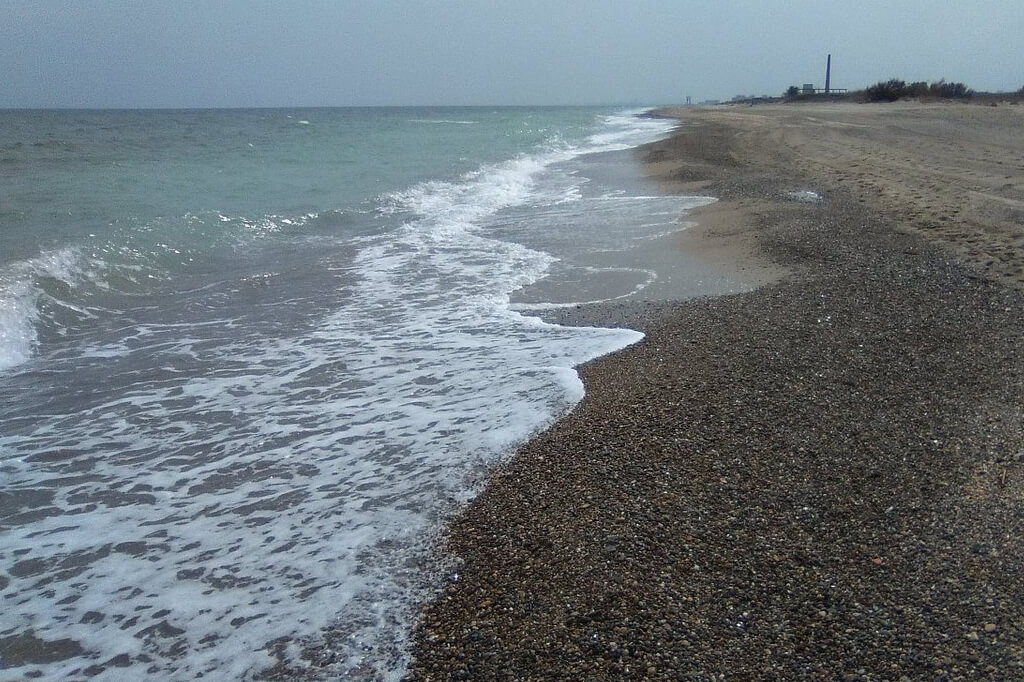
(492, 187)
(480, 193)
(23, 286)
(46, 294)
(18, 315)
(627, 129)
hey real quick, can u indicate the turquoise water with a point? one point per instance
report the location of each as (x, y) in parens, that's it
(249, 361)
(163, 181)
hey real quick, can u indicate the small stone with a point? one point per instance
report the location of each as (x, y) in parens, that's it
(973, 636)
(990, 627)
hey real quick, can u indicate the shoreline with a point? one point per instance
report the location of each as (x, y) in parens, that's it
(821, 478)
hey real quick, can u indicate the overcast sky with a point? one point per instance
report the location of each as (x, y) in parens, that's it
(213, 53)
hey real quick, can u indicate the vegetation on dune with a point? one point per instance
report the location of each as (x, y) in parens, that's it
(894, 89)
(886, 91)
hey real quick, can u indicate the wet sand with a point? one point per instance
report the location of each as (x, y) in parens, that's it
(822, 478)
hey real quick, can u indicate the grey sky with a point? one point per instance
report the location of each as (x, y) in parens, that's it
(197, 53)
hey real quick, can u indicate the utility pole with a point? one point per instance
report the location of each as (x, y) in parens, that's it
(828, 75)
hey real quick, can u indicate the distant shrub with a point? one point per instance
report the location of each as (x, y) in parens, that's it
(793, 91)
(894, 89)
(918, 89)
(950, 90)
(886, 91)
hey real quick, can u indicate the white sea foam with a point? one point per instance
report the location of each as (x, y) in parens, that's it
(481, 193)
(627, 129)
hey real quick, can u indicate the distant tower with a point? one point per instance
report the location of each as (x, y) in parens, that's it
(688, 100)
(828, 75)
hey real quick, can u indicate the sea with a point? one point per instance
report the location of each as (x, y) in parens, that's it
(252, 360)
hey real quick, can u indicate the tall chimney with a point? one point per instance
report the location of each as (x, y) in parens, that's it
(828, 75)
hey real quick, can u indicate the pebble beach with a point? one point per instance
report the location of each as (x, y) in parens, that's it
(821, 478)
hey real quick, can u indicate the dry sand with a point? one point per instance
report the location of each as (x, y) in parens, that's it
(819, 479)
(951, 172)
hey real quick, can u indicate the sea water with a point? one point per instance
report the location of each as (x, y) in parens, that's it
(251, 359)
